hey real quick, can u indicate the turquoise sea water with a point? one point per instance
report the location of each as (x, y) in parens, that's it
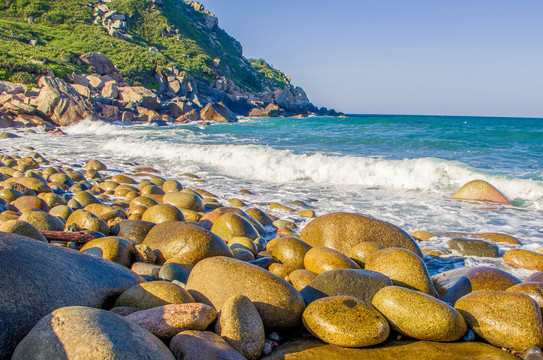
(402, 169)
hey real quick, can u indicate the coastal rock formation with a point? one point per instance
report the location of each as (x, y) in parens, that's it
(60, 277)
(480, 190)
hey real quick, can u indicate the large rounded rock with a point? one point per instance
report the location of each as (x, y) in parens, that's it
(202, 345)
(229, 225)
(290, 251)
(472, 247)
(479, 278)
(362, 284)
(215, 280)
(31, 183)
(362, 252)
(135, 230)
(153, 294)
(188, 243)
(59, 277)
(162, 212)
(30, 202)
(342, 231)
(85, 198)
(404, 268)
(22, 228)
(42, 221)
(532, 289)
(322, 259)
(418, 315)
(345, 321)
(480, 190)
(504, 319)
(84, 220)
(78, 332)
(169, 320)
(111, 248)
(260, 216)
(184, 200)
(525, 259)
(313, 349)
(256, 224)
(240, 325)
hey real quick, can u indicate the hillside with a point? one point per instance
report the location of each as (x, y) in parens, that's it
(148, 41)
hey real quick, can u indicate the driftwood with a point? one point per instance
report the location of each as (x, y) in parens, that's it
(76, 237)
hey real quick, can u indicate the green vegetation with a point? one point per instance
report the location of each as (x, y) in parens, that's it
(37, 35)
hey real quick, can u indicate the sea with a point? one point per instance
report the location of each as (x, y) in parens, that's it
(400, 169)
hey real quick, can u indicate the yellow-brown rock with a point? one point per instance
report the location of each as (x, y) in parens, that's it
(20, 227)
(42, 220)
(525, 259)
(84, 220)
(162, 212)
(152, 190)
(362, 252)
(419, 315)
(172, 186)
(342, 231)
(260, 216)
(532, 289)
(345, 321)
(504, 319)
(52, 199)
(232, 210)
(404, 268)
(322, 259)
(30, 202)
(290, 251)
(282, 270)
(229, 225)
(187, 242)
(241, 242)
(153, 294)
(236, 203)
(123, 179)
(184, 200)
(84, 198)
(34, 184)
(143, 201)
(191, 216)
(207, 220)
(535, 277)
(422, 235)
(95, 165)
(112, 248)
(214, 280)
(301, 278)
(496, 238)
(480, 190)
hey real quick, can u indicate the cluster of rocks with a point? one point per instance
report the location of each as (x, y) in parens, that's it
(111, 20)
(140, 266)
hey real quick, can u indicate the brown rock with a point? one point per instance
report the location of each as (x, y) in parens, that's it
(112, 248)
(300, 278)
(322, 259)
(138, 95)
(153, 294)
(229, 225)
(184, 200)
(202, 345)
(42, 221)
(525, 259)
(480, 278)
(532, 289)
(135, 230)
(162, 212)
(217, 112)
(479, 190)
(99, 61)
(23, 228)
(290, 251)
(84, 220)
(362, 252)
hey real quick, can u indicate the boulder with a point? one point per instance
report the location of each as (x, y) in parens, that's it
(228, 226)
(183, 200)
(153, 294)
(60, 277)
(345, 321)
(480, 190)
(169, 320)
(29, 182)
(479, 278)
(112, 248)
(240, 325)
(178, 108)
(110, 90)
(42, 221)
(300, 278)
(472, 247)
(200, 345)
(342, 231)
(84, 220)
(82, 90)
(362, 252)
(99, 61)
(30, 202)
(290, 251)
(62, 103)
(504, 319)
(404, 268)
(362, 284)
(78, 332)
(418, 315)
(217, 112)
(23, 228)
(532, 289)
(188, 243)
(138, 95)
(214, 280)
(322, 259)
(524, 259)
(161, 213)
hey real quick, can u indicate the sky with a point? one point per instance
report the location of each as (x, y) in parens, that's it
(462, 57)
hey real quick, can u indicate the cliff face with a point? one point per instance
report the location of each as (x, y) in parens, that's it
(173, 47)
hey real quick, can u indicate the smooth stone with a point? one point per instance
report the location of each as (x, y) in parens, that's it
(172, 186)
(419, 315)
(184, 200)
(504, 319)
(167, 321)
(123, 179)
(61, 211)
(404, 268)
(153, 294)
(23, 228)
(135, 230)
(188, 243)
(345, 321)
(143, 201)
(362, 252)
(162, 212)
(112, 248)
(174, 271)
(243, 255)
(31, 183)
(84, 220)
(240, 325)
(322, 259)
(42, 220)
(472, 247)
(421, 235)
(301, 278)
(84, 198)
(480, 278)
(480, 190)
(524, 259)
(257, 225)
(30, 202)
(123, 310)
(214, 280)
(58, 277)
(282, 270)
(145, 269)
(95, 165)
(77, 332)
(362, 284)
(535, 277)
(202, 345)
(245, 243)
(290, 251)
(496, 238)
(143, 253)
(314, 349)
(532, 289)
(191, 216)
(260, 216)
(341, 231)
(230, 225)
(533, 353)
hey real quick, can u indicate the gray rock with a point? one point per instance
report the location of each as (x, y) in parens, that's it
(472, 247)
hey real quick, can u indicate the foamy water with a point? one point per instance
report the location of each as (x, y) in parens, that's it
(358, 175)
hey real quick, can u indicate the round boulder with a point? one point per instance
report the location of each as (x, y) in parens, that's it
(42, 221)
(322, 259)
(135, 230)
(112, 248)
(193, 344)
(480, 190)
(184, 200)
(23, 228)
(524, 259)
(290, 251)
(162, 212)
(230, 225)
(84, 220)
(153, 294)
(472, 247)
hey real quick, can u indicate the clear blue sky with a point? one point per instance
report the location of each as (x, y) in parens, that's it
(463, 57)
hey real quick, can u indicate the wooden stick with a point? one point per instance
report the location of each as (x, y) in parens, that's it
(67, 236)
